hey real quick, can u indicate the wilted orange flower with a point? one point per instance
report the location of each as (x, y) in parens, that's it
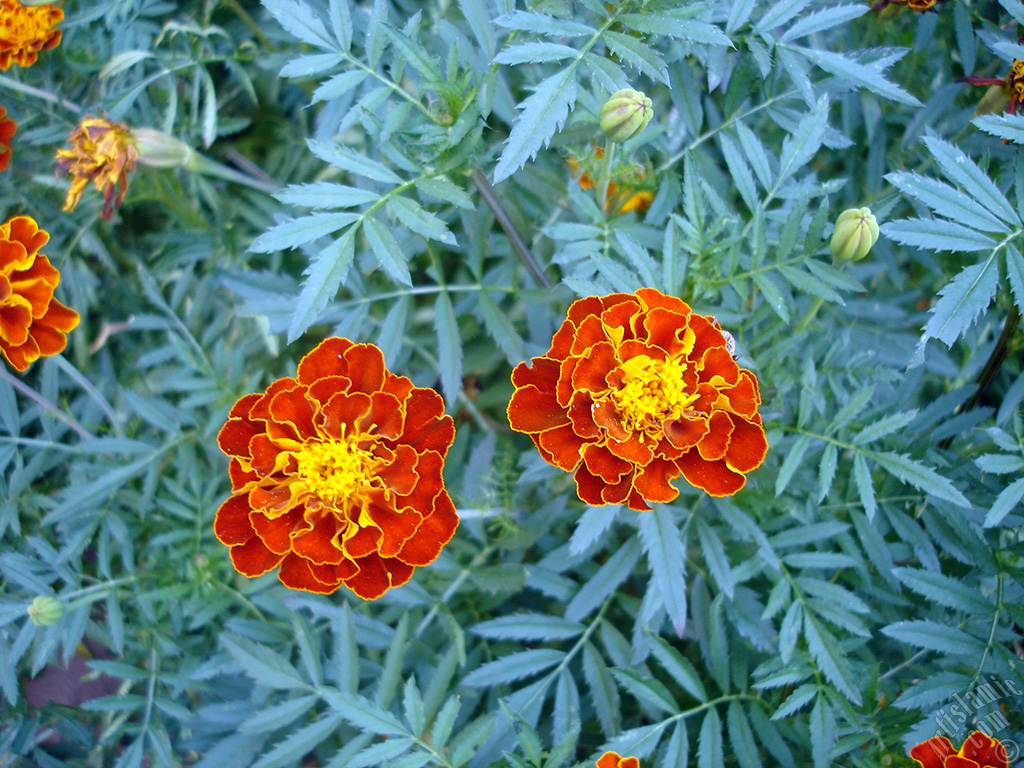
(25, 30)
(1010, 92)
(635, 390)
(613, 760)
(104, 153)
(33, 324)
(336, 475)
(7, 129)
(978, 751)
(633, 198)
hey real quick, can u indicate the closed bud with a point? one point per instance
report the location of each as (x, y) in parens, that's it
(158, 150)
(624, 115)
(856, 231)
(45, 611)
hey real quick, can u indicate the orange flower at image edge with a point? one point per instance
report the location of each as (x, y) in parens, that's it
(635, 390)
(7, 130)
(613, 760)
(336, 475)
(33, 324)
(978, 751)
(104, 153)
(25, 31)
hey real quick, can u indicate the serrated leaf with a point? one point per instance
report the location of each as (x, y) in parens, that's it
(822, 20)
(299, 20)
(947, 201)
(326, 194)
(830, 659)
(351, 161)
(413, 53)
(827, 471)
(709, 743)
(884, 426)
(605, 581)
(741, 737)
(296, 232)
(791, 463)
(339, 85)
(937, 235)
(323, 277)
(865, 76)
(387, 250)
(636, 742)
(772, 294)
(682, 29)
(960, 169)
(449, 348)
(934, 637)
(647, 689)
(716, 558)
(515, 666)
(823, 732)
(535, 53)
(865, 487)
(944, 590)
(1004, 126)
(1008, 498)
(420, 221)
(1015, 273)
(377, 754)
(265, 666)
(364, 714)
(592, 523)
(543, 114)
(603, 692)
(640, 56)
(679, 667)
(919, 476)
(542, 24)
(666, 557)
(529, 626)
(804, 142)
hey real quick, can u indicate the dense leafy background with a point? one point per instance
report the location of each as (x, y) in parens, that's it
(827, 614)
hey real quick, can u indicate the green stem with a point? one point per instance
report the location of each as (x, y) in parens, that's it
(606, 176)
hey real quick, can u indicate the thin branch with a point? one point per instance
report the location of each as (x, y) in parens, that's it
(518, 244)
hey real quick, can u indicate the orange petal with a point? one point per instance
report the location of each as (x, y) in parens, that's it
(49, 341)
(589, 486)
(590, 332)
(253, 558)
(583, 308)
(608, 760)
(715, 443)
(653, 481)
(260, 407)
(706, 335)
(637, 449)
(20, 356)
(427, 428)
(270, 499)
(372, 579)
(293, 407)
(428, 485)
(434, 532)
(985, 750)
(561, 342)
(955, 761)
(744, 397)
(326, 359)
(400, 475)
(748, 445)
(618, 318)
(25, 231)
(243, 405)
(317, 544)
(604, 464)
(399, 386)
(712, 476)
(607, 416)
(533, 410)
(563, 445)
(265, 455)
(386, 417)
(345, 408)
(593, 368)
(297, 573)
(664, 329)
(397, 526)
(581, 414)
(719, 368)
(60, 317)
(231, 526)
(685, 433)
(365, 367)
(15, 321)
(363, 542)
(323, 389)
(636, 501)
(542, 372)
(240, 477)
(276, 533)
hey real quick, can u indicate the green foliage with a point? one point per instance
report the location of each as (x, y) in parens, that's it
(408, 174)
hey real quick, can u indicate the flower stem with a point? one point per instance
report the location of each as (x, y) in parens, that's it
(518, 244)
(606, 175)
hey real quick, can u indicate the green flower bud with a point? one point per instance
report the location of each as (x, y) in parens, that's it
(158, 150)
(625, 114)
(856, 231)
(45, 611)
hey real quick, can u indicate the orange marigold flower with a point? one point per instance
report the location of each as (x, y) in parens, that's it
(614, 760)
(25, 30)
(104, 153)
(7, 129)
(978, 751)
(336, 475)
(634, 195)
(33, 324)
(635, 390)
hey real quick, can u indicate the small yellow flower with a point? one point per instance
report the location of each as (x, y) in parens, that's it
(104, 153)
(25, 31)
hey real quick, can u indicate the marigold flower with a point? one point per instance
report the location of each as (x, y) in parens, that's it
(33, 324)
(614, 760)
(7, 130)
(1011, 89)
(104, 153)
(978, 751)
(336, 475)
(25, 30)
(635, 196)
(635, 390)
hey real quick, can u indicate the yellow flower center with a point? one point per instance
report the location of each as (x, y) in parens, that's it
(1016, 78)
(652, 392)
(336, 470)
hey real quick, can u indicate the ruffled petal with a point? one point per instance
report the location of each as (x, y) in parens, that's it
(748, 446)
(365, 368)
(985, 750)
(372, 579)
(434, 532)
(712, 476)
(604, 464)
(653, 482)
(298, 573)
(427, 428)
(231, 526)
(715, 443)
(532, 410)
(276, 532)
(563, 445)
(253, 558)
(326, 359)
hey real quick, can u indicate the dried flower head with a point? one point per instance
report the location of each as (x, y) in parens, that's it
(336, 475)
(25, 30)
(104, 153)
(978, 751)
(7, 130)
(627, 191)
(614, 760)
(33, 324)
(635, 390)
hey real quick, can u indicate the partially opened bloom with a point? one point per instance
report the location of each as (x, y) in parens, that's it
(636, 390)
(614, 760)
(1006, 94)
(25, 30)
(33, 324)
(627, 191)
(336, 475)
(978, 751)
(104, 153)
(7, 129)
